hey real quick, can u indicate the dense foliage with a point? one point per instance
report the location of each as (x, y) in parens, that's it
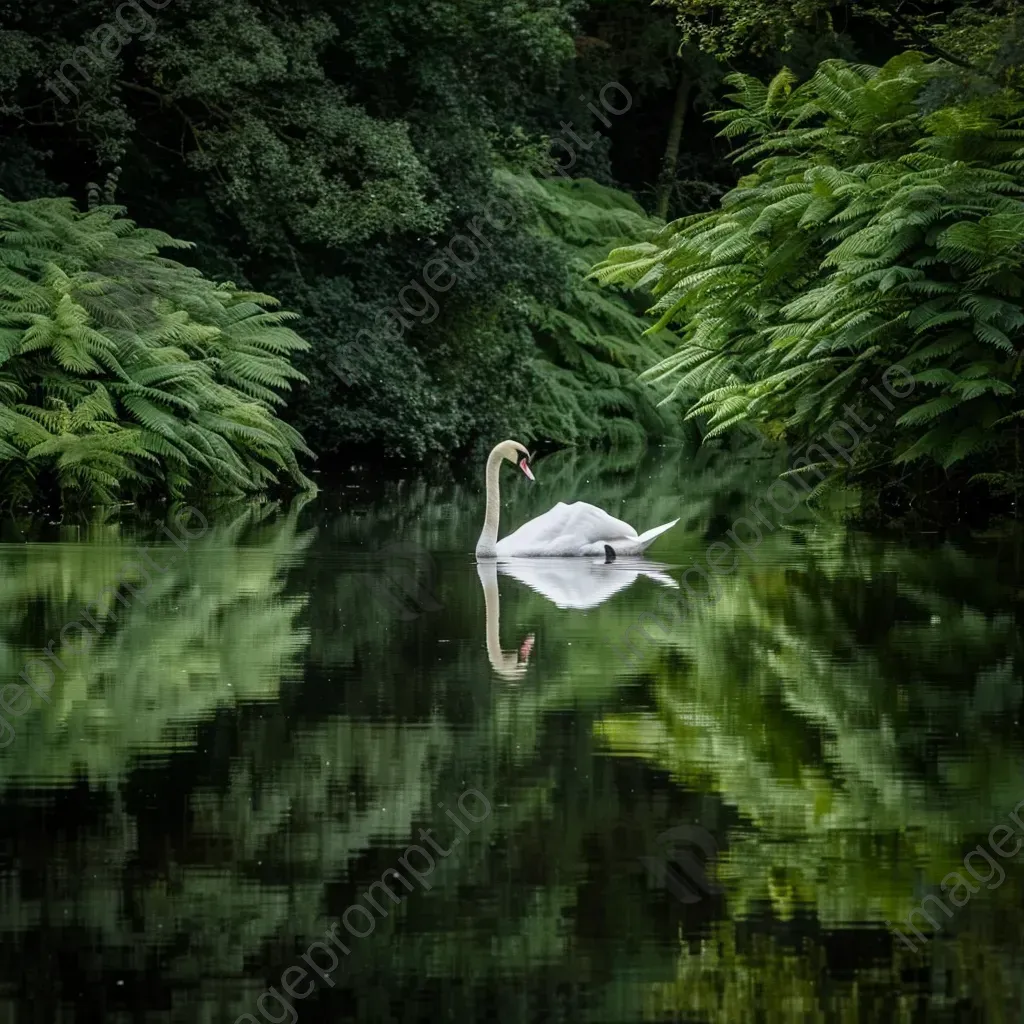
(982, 37)
(122, 371)
(869, 234)
(347, 159)
(590, 340)
(327, 154)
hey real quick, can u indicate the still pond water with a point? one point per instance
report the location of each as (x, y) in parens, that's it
(715, 825)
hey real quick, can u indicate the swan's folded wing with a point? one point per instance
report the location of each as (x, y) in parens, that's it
(567, 529)
(541, 530)
(594, 526)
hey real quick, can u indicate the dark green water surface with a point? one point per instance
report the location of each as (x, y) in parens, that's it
(324, 738)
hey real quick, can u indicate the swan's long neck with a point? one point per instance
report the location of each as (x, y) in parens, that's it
(502, 663)
(489, 534)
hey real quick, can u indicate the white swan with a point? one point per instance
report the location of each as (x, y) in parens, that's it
(567, 530)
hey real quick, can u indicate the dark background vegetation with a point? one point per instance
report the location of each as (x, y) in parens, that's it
(322, 153)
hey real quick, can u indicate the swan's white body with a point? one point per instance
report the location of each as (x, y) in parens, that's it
(576, 529)
(572, 530)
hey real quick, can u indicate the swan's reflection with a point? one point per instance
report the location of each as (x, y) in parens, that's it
(579, 582)
(566, 582)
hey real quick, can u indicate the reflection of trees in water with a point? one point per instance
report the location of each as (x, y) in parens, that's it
(254, 830)
(720, 979)
(216, 629)
(85, 868)
(818, 697)
(858, 702)
(226, 845)
(233, 866)
(241, 873)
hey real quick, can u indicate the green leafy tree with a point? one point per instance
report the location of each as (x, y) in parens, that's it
(323, 155)
(981, 36)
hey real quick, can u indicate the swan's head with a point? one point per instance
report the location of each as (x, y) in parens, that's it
(517, 453)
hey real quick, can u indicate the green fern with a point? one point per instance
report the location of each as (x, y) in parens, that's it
(591, 344)
(868, 234)
(120, 368)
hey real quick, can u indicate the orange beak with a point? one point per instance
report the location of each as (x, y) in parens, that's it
(526, 469)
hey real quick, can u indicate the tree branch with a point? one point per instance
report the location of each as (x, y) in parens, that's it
(919, 37)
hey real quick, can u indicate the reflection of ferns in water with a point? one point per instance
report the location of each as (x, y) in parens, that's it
(290, 822)
(214, 629)
(812, 696)
(293, 815)
(735, 968)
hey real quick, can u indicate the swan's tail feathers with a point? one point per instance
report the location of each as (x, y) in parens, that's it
(609, 554)
(645, 540)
